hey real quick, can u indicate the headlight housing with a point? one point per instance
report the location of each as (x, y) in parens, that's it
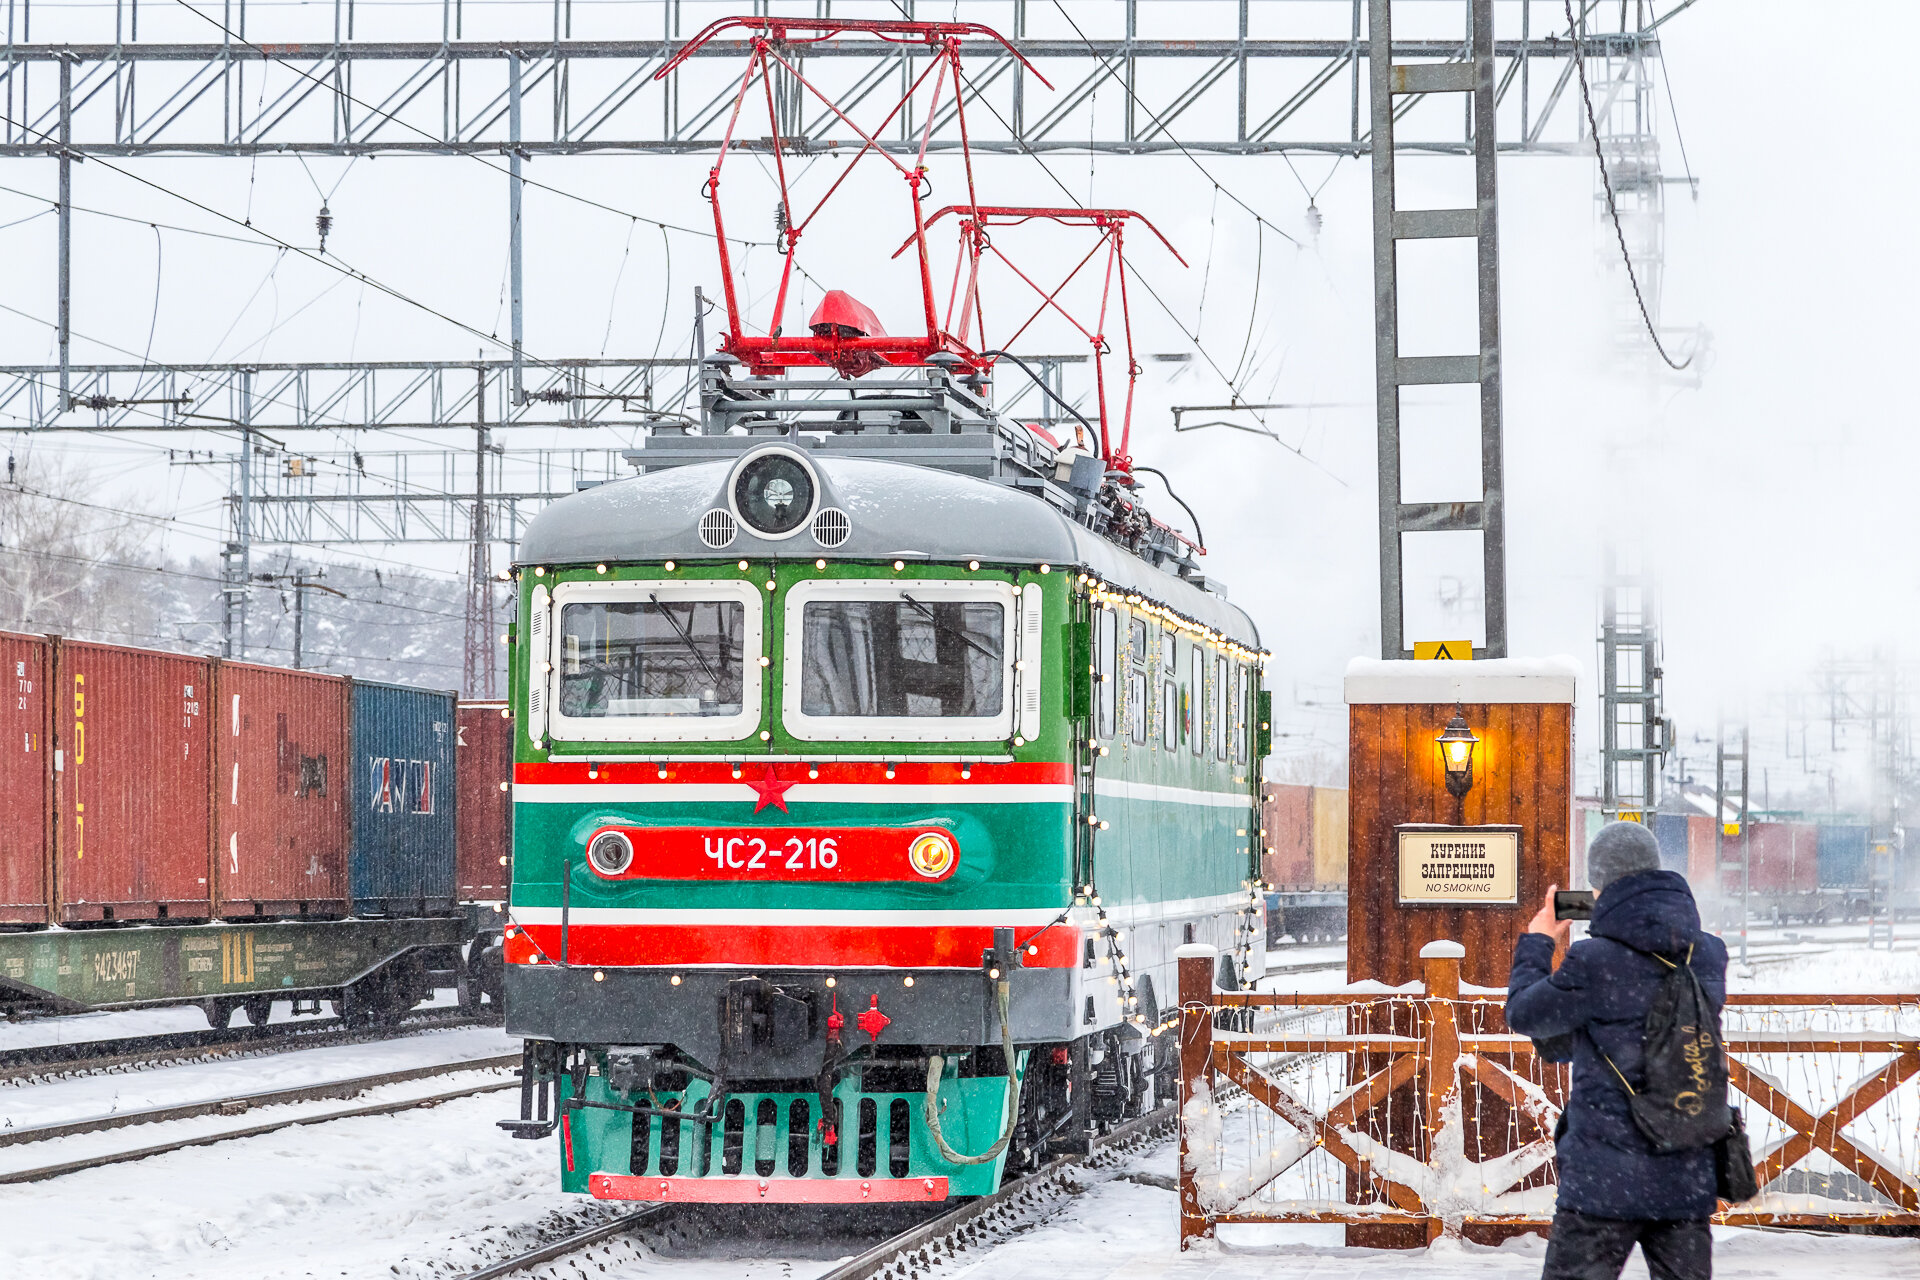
(610, 853)
(931, 854)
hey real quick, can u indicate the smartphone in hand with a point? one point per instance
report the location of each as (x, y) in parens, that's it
(1573, 904)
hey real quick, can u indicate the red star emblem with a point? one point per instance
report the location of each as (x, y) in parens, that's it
(771, 791)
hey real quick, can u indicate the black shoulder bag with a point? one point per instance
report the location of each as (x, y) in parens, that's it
(1685, 1105)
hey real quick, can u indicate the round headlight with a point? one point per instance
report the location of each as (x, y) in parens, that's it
(931, 854)
(774, 493)
(611, 853)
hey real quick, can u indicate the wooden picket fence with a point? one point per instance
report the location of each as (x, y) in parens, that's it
(1415, 1108)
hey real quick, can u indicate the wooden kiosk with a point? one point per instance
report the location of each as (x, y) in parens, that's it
(1461, 806)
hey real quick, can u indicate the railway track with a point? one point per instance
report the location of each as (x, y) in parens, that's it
(244, 1103)
(36, 1063)
(915, 1252)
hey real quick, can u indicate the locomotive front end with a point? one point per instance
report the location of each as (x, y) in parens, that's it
(793, 836)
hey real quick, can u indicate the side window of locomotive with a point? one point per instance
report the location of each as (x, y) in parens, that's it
(1196, 685)
(1137, 679)
(1243, 712)
(1169, 714)
(1220, 704)
(1105, 660)
(887, 662)
(670, 658)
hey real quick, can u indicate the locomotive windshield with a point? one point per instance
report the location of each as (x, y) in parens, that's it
(652, 658)
(903, 657)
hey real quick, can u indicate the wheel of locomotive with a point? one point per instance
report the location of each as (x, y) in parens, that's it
(1046, 1108)
(258, 1009)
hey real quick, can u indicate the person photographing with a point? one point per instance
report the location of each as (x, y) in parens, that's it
(1645, 1142)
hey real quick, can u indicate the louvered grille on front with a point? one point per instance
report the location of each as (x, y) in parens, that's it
(831, 527)
(717, 528)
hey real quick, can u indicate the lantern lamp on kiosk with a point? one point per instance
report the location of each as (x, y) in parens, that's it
(1456, 754)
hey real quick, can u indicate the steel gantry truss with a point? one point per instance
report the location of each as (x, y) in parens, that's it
(1392, 84)
(1213, 81)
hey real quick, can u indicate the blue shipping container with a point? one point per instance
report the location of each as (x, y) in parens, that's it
(1670, 829)
(1843, 857)
(403, 796)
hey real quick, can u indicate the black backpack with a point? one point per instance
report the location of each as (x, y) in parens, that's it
(1684, 1104)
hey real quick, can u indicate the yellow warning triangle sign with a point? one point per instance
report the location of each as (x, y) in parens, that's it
(1443, 650)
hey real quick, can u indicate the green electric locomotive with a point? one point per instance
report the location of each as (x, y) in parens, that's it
(874, 753)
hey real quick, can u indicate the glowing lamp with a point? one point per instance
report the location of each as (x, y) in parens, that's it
(1456, 754)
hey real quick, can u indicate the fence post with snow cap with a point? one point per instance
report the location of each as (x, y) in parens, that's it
(1196, 962)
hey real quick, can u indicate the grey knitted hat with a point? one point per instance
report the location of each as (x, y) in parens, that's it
(1621, 849)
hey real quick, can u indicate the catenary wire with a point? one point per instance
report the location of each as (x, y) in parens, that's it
(331, 262)
(388, 116)
(1613, 209)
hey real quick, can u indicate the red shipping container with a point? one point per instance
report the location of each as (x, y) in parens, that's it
(26, 782)
(1286, 815)
(1803, 851)
(483, 809)
(280, 792)
(1769, 857)
(132, 782)
(1700, 855)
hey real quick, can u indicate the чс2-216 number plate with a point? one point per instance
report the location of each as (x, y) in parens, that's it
(783, 853)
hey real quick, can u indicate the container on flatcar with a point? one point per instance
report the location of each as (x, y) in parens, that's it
(1330, 837)
(1286, 815)
(26, 797)
(1701, 873)
(1670, 832)
(483, 822)
(1842, 856)
(280, 792)
(1782, 857)
(132, 782)
(402, 859)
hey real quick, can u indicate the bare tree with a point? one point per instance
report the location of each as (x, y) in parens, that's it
(71, 558)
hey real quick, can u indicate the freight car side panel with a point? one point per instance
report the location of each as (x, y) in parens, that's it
(484, 819)
(1843, 856)
(1701, 873)
(1670, 833)
(25, 783)
(403, 800)
(280, 760)
(1330, 837)
(1286, 816)
(133, 774)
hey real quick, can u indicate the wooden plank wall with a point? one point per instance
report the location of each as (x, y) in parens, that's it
(1522, 774)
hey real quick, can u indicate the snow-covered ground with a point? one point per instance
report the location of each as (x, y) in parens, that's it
(83, 1097)
(433, 1193)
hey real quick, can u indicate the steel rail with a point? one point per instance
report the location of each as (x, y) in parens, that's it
(578, 1240)
(239, 1103)
(44, 1172)
(916, 1242)
(91, 1056)
(1019, 1194)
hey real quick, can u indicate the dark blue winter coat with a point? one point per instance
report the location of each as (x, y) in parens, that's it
(1599, 997)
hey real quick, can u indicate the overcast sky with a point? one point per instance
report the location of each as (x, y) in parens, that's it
(1770, 492)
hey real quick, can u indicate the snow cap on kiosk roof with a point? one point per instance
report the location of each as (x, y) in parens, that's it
(1491, 680)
